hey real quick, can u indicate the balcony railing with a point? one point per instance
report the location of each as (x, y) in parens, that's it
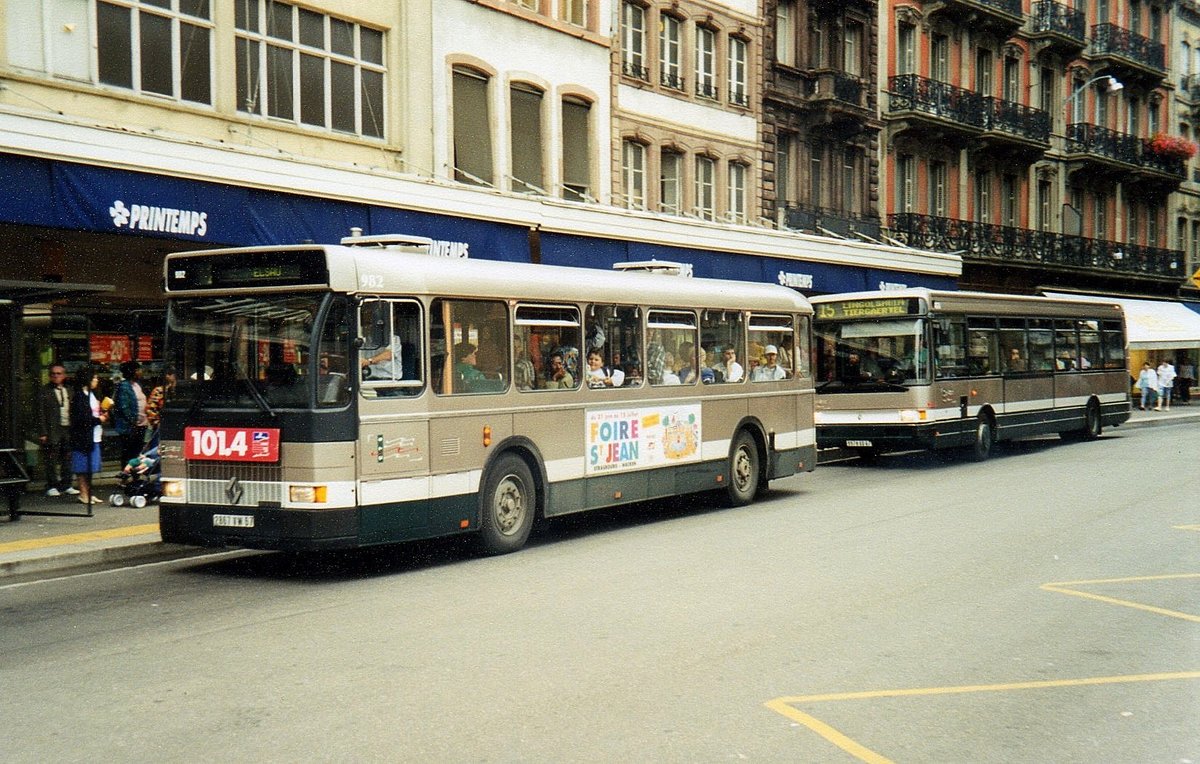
(841, 222)
(911, 92)
(1083, 138)
(986, 241)
(706, 90)
(1056, 18)
(636, 71)
(1110, 39)
(670, 80)
(1016, 119)
(739, 98)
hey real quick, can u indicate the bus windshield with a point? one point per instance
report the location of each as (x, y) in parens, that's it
(248, 352)
(862, 356)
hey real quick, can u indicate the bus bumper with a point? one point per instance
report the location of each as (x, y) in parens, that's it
(293, 530)
(890, 437)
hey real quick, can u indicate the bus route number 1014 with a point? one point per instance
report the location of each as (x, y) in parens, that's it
(231, 444)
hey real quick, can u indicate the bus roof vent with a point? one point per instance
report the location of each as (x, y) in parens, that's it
(392, 242)
(666, 267)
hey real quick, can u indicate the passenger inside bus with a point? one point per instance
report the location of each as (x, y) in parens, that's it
(769, 370)
(1015, 361)
(467, 376)
(558, 378)
(600, 375)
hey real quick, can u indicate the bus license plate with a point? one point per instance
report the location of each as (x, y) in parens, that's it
(233, 521)
(859, 444)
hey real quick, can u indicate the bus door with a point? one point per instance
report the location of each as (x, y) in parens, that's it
(1027, 352)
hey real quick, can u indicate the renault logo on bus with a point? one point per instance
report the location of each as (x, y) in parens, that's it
(233, 490)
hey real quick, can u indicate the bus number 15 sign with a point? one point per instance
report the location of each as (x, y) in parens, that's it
(232, 444)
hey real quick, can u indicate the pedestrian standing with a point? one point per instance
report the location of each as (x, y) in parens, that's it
(158, 397)
(1148, 384)
(54, 418)
(129, 409)
(1187, 376)
(85, 430)
(1166, 383)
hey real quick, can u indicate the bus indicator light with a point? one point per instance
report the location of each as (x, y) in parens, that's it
(464, 524)
(487, 435)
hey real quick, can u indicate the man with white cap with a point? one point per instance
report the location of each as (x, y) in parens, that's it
(769, 370)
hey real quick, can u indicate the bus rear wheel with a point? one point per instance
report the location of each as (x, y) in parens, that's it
(742, 486)
(508, 503)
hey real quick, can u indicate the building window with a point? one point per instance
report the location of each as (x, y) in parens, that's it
(309, 68)
(633, 173)
(816, 174)
(1102, 12)
(983, 72)
(1012, 79)
(785, 32)
(1078, 115)
(939, 179)
(472, 128)
(574, 12)
(737, 192)
(1135, 224)
(670, 183)
(852, 49)
(1008, 200)
(1152, 115)
(526, 136)
(1152, 226)
(906, 179)
(1101, 217)
(852, 181)
(148, 47)
(983, 197)
(670, 55)
(785, 172)
(939, 58)
(1133, 116)
(577, 149)
(816, 43)
(1102, 108)
(1047, 89)
(1045, 205)
(633, 41)
(706, 62)
(906, 49)
(706, 170)
(737, 72)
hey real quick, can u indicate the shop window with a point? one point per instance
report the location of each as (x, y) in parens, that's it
(149, 47)
(469, 346)
(547, 348)
(309, 68)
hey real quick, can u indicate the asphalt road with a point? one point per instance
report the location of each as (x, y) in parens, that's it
(1040, 607)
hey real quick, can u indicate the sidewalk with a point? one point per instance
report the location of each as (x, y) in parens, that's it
(44, 546)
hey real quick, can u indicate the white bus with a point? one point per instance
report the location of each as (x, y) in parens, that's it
(918, 368)
(343, 396)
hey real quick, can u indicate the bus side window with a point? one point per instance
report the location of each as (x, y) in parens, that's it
(1089, 345)
(950, 343)
(1012, 344)
(469, 346)
(333, 353)
(390, 358)
(546, 342)
(720, 332)
(1041, 344)
(615, 333)
(771, 348)
(1114, 345)
(671, 347)
(983, 347)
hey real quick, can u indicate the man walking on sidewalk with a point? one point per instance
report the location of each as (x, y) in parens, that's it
(54, 405)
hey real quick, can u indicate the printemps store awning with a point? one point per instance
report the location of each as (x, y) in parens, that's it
(1152, 324)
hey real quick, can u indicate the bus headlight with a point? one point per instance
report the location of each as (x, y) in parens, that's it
(912, 415)
(173, 489)
(307, 494)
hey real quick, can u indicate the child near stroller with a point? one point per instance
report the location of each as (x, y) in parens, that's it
(137, 482)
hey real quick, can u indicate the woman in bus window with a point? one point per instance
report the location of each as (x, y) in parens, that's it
(465, 369)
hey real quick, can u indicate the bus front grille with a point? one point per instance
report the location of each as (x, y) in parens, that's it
(234, 485)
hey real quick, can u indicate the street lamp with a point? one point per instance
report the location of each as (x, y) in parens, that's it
(1113, 86)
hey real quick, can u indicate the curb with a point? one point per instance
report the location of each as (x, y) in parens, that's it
(68, 560)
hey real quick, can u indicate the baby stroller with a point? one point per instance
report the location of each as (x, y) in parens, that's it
(137, 482)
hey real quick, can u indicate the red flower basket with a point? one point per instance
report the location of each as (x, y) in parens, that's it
(1172, 147)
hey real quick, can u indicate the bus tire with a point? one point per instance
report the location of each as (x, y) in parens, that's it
(743, 477)
(981, 448)
(507, 504)
(1093, 425)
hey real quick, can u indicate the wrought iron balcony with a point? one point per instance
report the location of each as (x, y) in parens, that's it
(739, 98)
(1096, 141)
(1110, 40)
(1016, 119)
(912, 92)
(1025, 246)
(635, 71)
(706, 90)
(994, 14)
(1066, 25)
(805, 217)
(670, 80)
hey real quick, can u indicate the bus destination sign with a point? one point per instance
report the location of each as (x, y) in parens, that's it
(254, 269)
(881, 308)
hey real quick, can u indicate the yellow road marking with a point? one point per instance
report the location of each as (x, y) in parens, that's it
(1061, 588)
(76, 538)
(784, 705)
(1186, 527)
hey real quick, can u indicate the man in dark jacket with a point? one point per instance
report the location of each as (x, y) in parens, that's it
(54, 405)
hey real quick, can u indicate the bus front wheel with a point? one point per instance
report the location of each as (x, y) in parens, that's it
(743, 471)
(508, 503)
(981, 449)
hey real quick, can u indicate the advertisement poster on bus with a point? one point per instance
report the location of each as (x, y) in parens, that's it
(636, 438)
